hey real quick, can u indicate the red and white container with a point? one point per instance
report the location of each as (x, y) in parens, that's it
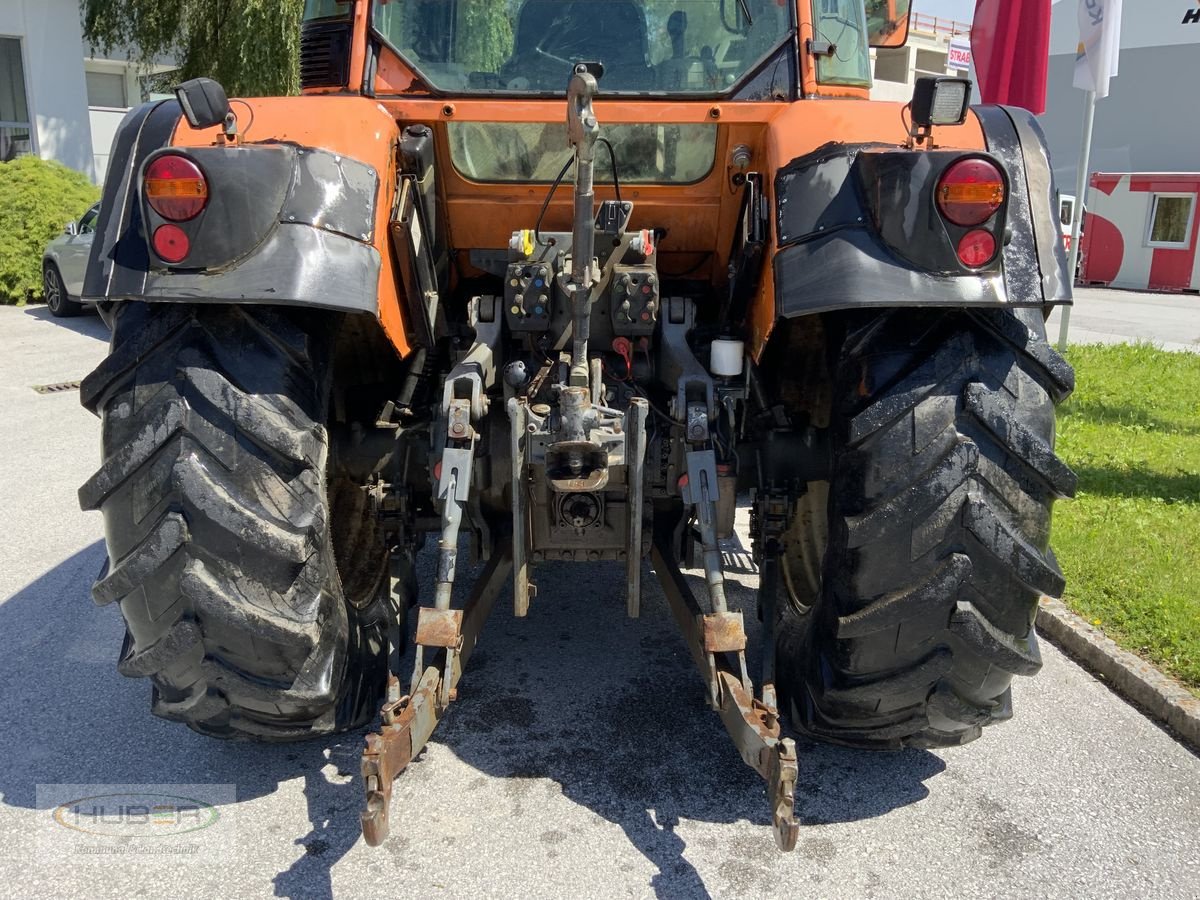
(1140, 232)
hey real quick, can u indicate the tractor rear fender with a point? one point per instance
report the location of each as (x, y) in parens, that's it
(857, 226)
(294, 217)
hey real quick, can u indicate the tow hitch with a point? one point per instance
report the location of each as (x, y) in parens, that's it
(578, 472)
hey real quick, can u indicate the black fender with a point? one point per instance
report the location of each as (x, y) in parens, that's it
(284, 225)
(857, 227)
(1036, 259)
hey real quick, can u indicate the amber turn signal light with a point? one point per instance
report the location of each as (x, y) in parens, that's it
(175, 188)
(970, 192)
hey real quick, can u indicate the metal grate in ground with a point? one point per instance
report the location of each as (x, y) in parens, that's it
(57, 388)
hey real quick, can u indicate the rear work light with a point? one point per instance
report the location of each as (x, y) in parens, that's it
(175, 188)
(970, 192)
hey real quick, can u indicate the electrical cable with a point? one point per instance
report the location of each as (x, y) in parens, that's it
(612, 158)
(249, 109)
(654, 407)
(537, 228)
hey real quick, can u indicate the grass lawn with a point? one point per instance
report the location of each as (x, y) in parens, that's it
(1129, 543)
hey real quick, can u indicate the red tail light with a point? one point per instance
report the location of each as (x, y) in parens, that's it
(970, 192)
(175, 188)
(171, 243)
(977, 248)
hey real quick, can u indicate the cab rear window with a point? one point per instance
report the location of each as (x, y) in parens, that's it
(535, 151)
(650, 47)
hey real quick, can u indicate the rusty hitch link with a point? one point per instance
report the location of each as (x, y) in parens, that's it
(781, 787)
(408, 721)
(389, 751)
(717, 642)
(755, 729)
(450, 634)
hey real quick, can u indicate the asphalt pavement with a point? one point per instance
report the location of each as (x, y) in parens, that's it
(1104, 316)
(578, 760)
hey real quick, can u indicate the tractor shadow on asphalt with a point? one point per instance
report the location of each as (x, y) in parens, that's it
(609, 709)
(87, 323)
(613, 711)
(69, 718)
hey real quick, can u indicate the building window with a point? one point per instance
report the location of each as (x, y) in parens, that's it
(158, 86)
(1171, 221)
(930, 62)
(16, 136)
(106, 89)
(892, 65)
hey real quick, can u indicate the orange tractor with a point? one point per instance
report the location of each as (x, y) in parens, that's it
(411, 302)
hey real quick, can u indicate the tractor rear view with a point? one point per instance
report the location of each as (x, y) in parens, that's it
(562, 280)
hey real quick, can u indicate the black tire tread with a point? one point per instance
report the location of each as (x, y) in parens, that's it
(217, 515)
(944, 479)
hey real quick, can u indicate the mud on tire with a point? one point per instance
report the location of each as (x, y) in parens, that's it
(227, 537)
(943, 479)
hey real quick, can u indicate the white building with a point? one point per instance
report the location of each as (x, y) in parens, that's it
(935, 46)
(114, 85)
(43, 92)
(1148, 123)
(57, 100)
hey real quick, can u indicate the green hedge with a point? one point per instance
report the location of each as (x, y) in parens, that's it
(37, 199)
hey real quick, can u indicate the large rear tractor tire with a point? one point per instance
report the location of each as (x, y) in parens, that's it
(904, 621)
(253, 580)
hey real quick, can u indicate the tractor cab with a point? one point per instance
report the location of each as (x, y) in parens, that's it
(652, 48)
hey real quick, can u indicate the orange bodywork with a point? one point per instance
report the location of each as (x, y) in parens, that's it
(700, 218)
(354, 127)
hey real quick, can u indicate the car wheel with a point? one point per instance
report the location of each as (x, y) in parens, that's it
(58, 301)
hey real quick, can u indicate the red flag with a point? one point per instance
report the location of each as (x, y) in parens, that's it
(1010, 43)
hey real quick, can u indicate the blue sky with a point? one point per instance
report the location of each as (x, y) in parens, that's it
(961, 10)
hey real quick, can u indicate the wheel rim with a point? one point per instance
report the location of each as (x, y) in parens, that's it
(804, 548)
(51, 289)
(363, 576)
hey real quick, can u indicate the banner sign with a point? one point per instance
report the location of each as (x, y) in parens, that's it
(960, 54)
(1099, 45)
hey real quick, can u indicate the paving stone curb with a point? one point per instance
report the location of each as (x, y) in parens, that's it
(1160, 697)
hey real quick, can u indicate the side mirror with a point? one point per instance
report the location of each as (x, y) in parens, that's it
(204, 102)
(71, 229)
(887, 22)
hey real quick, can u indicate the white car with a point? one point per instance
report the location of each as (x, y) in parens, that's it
(64, 263)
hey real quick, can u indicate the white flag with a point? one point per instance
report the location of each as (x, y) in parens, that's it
(1099, 45)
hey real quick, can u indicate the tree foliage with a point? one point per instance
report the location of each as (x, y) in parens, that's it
(251, 46)
(37, 199)
(485, 34)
